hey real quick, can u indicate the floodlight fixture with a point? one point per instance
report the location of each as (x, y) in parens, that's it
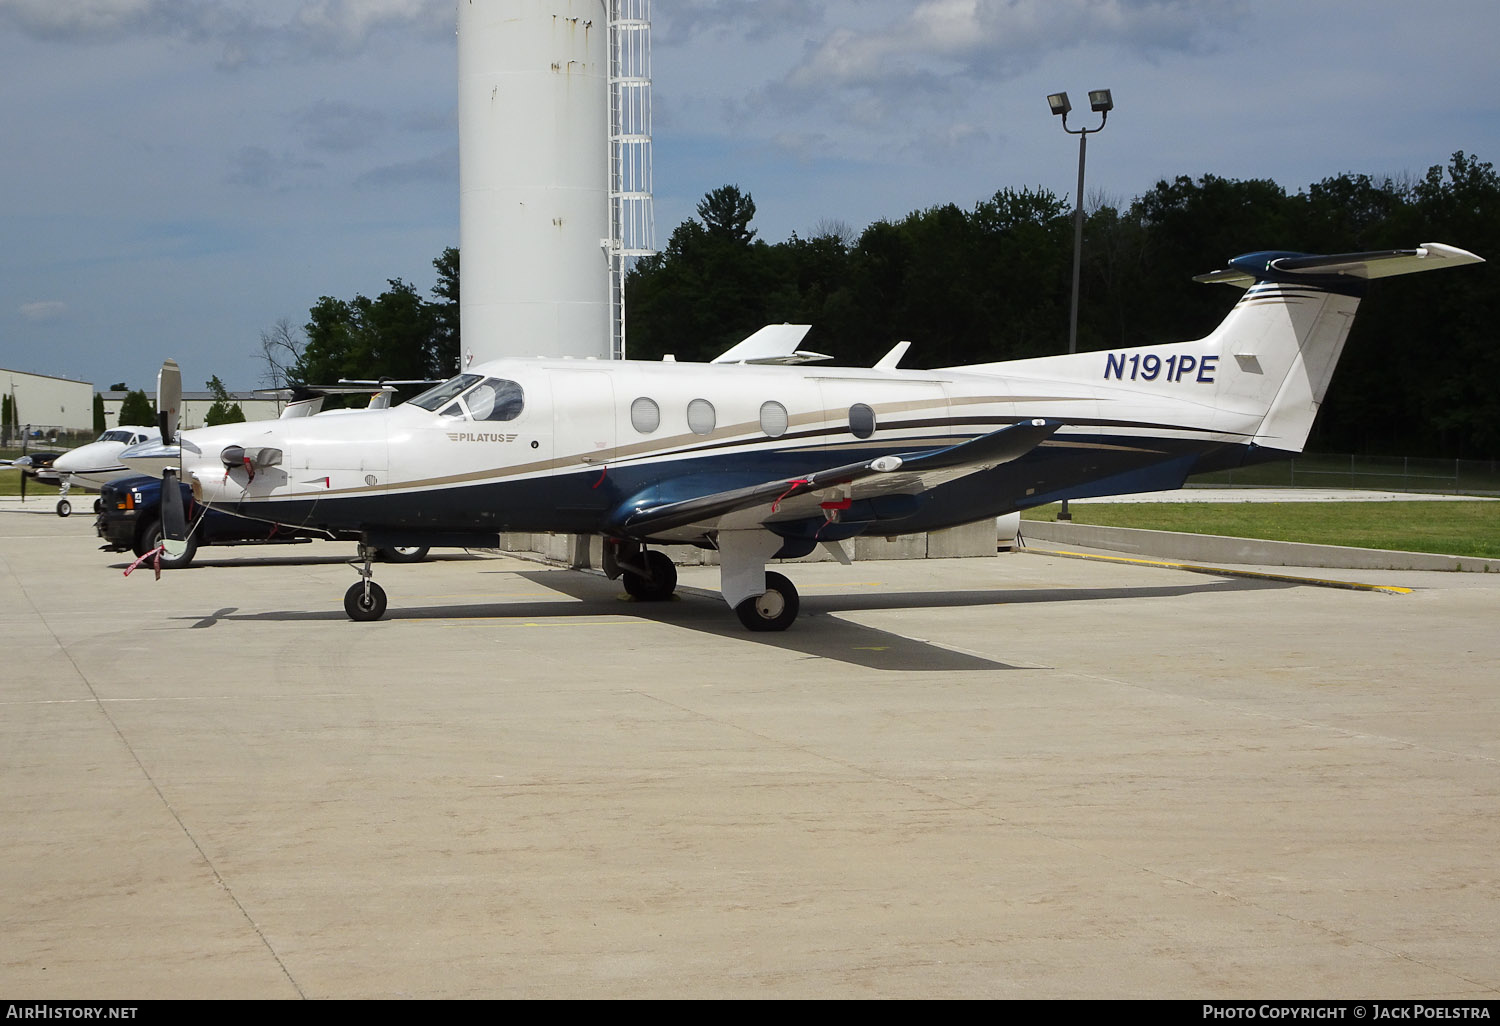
(1059, 103)
(1100, 102)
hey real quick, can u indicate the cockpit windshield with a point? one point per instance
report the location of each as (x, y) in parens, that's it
(436, 396)
(117, 436)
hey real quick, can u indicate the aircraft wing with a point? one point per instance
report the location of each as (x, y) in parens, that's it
(798, 498)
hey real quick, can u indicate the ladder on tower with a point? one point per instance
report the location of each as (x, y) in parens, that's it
(632, 229)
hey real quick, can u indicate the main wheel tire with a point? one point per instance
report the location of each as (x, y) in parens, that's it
(403, 553)
(151, 537)
(773, 610)
(64, 508)
(661, 582)
(98, 506)
(364, 607)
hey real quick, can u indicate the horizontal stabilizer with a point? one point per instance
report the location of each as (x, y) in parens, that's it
(1244, 271)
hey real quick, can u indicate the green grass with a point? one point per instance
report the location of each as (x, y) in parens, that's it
(1452, 528)
(10, 484)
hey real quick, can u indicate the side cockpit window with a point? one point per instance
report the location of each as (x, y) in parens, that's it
(476, 398)
(495, 399)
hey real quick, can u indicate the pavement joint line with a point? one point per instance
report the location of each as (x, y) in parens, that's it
(1198, 568)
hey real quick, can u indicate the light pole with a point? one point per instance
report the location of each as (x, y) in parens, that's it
(1100, 102)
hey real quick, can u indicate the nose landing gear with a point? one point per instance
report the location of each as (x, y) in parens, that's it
(365, 600)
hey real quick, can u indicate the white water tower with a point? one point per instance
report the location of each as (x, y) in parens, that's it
(551, 150)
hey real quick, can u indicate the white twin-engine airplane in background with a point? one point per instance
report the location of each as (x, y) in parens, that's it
(90, 467)
(759, 459)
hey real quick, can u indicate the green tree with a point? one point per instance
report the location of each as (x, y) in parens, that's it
(136, 410)
(447, 350)
(395, 335)
(224, 410)
(726, 213)
(710, 287)
(99, 423)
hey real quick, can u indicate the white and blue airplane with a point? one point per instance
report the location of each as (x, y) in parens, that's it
(761, 456)
(90, 467)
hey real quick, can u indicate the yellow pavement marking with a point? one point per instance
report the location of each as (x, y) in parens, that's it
(1198, 568)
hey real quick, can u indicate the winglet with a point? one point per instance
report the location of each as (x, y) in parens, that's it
(775, 343)
(889, 360)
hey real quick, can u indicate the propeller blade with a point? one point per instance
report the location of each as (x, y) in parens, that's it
(169, 401)
(168, 416)
(173, 515)
(24, 475)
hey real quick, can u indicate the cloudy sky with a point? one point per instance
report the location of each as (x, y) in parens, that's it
(177, 175)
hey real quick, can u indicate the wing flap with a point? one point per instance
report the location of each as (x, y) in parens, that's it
(798, 498)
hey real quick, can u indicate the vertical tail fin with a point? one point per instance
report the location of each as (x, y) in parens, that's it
(1278, 347)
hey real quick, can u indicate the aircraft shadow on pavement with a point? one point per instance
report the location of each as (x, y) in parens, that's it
(819, 633)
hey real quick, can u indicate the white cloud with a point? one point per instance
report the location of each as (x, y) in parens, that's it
(263, 31)
(45, 310)
(940, 48)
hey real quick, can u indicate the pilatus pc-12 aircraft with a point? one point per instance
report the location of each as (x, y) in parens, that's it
(760, 456)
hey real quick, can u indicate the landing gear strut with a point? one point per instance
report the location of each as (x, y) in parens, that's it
(763, 600)
(365, 600)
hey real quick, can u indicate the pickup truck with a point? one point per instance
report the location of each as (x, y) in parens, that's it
(130, 518)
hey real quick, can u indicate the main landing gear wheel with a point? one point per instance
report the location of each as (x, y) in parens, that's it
(772, 611)
(64, 507)
(364, 605)
(659, 581)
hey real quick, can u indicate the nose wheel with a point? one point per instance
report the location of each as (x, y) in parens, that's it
(365, 600)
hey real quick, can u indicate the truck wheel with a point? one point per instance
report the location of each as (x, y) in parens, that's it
(151, 537)
(402, 554)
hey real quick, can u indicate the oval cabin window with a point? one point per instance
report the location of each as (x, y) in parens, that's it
(645, 415)
(861, 420)
(773, 418)
(701, 417)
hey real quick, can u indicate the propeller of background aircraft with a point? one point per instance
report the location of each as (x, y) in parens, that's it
(32, 465)
(168, 412)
